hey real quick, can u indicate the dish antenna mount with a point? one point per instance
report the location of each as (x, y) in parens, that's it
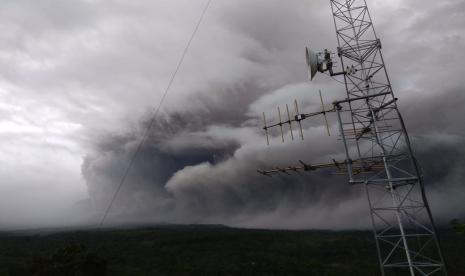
(377, 149)
(320, 62)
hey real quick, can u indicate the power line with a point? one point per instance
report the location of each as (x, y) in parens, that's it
(154, 115)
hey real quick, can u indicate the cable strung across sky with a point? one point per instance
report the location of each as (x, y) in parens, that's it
(154, 115)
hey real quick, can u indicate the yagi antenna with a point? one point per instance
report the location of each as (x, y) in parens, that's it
(290, 122)
(266, 130)
(369, 121)
(324, 113)
(280, 124)
(298, 118)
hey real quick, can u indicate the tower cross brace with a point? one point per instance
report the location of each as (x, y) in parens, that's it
(371, 125)
(377, 148)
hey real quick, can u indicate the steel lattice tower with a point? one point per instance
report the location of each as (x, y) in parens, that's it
(372, 129)
(377, 147)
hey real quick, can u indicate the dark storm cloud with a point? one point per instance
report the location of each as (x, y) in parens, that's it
(80, 77)
(198, 179)
(218, 184)
(228, 190)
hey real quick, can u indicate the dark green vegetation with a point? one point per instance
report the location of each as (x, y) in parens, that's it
(202, 250)
(458, 226)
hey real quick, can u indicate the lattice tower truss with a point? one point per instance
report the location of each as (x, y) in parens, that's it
(374, 134)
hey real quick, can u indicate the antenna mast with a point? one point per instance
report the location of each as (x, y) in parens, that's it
(377, 147)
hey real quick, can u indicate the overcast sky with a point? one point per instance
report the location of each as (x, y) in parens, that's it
(78, 80)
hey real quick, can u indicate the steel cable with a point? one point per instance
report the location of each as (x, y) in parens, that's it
(154, 116)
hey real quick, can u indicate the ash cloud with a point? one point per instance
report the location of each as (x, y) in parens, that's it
(203, 170)
(78, 81)
(208, 176)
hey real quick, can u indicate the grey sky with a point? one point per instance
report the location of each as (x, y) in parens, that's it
(78, 78)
